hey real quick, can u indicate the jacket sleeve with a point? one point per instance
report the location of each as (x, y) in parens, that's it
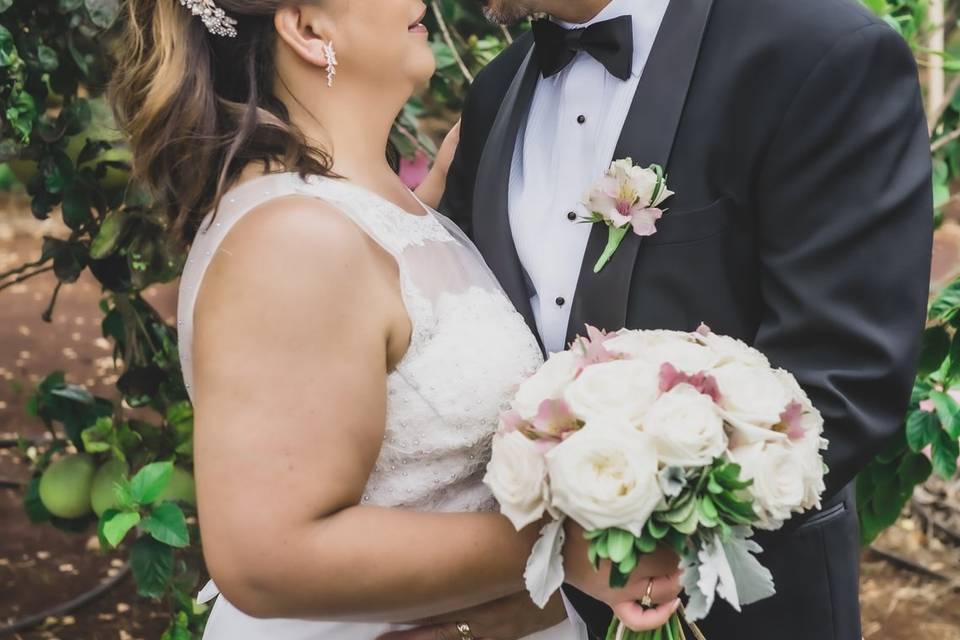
(845, 224)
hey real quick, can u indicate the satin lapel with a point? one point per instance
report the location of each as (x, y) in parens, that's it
(647, 137)
(490, 201)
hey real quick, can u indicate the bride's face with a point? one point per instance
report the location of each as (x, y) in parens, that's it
(383, 41)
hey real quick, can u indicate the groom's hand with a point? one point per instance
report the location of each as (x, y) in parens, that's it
(508, 618)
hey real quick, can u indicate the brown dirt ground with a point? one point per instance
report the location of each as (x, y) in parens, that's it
(40, 566)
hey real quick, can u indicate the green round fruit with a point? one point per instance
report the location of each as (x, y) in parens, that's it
(181, 487)
(65, 486)
(102, 494)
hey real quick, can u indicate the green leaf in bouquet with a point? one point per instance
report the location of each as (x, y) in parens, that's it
(593, 557)
(593, 535)
(656, 529)
(600, 544)
(629, 562)
(707, 512)
(147, 485)
(618, 579)
(680, 510)
(619, 544)
(689, 525)
(713, 486)
(645, 544)
(734, 511)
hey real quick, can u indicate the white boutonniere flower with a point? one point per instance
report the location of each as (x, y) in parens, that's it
(627, 197)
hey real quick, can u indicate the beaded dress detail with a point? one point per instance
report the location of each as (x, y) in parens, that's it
(468, 351)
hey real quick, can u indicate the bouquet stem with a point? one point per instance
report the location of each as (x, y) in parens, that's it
(673, 630)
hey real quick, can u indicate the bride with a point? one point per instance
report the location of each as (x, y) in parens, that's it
(345, 347)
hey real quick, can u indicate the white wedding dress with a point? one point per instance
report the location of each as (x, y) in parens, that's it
(468, 351)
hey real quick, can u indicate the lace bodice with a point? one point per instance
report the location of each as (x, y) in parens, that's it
(468, 351)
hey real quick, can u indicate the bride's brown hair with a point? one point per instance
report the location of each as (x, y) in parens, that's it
(199, 107)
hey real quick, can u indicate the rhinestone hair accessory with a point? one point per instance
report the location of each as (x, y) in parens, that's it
(214, 19)
(331, 54)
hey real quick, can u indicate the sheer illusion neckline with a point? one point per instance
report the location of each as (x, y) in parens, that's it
(426, 210)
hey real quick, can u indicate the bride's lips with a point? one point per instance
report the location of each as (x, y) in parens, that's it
(417, 25)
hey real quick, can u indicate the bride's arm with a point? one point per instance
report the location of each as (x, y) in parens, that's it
(298, 319)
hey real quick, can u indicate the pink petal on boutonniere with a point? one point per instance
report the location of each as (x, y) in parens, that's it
(644, 222)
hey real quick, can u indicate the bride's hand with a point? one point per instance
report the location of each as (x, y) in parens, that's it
(657, 571)
(431, 189)
(508, 618)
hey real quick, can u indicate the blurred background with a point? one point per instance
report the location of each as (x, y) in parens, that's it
(91, 394)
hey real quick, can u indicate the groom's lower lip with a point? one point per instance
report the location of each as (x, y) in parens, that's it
(417, 28)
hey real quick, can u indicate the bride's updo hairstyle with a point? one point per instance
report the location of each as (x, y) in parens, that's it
(199, 106)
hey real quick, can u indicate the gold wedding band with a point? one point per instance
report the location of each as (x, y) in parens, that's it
(647, 600)
(465, 632)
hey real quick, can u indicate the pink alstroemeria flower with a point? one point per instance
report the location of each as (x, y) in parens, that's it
(629, 195)
(706, 384)
(553, 423)
(591, 347)
(791, 421)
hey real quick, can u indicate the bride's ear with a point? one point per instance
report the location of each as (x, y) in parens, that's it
(306, 30)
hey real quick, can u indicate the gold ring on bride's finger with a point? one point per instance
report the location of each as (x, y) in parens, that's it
(465, 632)
(647, 600)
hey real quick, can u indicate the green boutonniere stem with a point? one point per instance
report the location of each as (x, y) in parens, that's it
(614, 239)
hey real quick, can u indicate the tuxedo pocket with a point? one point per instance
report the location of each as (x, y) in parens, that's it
(822, 517)
(690, 225)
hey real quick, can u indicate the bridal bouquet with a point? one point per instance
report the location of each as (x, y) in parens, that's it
(659, 437)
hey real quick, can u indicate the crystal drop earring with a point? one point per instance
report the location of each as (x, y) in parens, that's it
(331, 55)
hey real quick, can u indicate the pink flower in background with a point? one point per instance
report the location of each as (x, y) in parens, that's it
(413, 172)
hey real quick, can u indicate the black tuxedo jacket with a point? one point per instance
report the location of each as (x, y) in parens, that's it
(794, 137)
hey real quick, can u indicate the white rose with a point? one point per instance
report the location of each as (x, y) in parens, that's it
(657, 347)
(779, 488)
(547, 383)
(635, 342)
(605, 476)
(621, 390)
(733, 350)
(751, 394)
(516, 475)
(686, 427)
(811, 461)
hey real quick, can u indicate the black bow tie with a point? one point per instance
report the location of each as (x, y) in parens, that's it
(610, 42)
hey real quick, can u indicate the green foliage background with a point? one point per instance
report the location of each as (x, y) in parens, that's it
(58, 141)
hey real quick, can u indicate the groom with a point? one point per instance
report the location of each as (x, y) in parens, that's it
(794, 137)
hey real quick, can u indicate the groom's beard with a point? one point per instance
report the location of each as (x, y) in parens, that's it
(506, 12)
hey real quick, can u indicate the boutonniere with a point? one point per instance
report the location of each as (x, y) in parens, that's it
(627, 197)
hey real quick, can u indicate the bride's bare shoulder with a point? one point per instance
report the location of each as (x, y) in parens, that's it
(293, 241)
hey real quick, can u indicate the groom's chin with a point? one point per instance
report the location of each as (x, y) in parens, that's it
(505, 12)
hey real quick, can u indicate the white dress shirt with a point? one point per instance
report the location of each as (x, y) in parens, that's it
(565, 145)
